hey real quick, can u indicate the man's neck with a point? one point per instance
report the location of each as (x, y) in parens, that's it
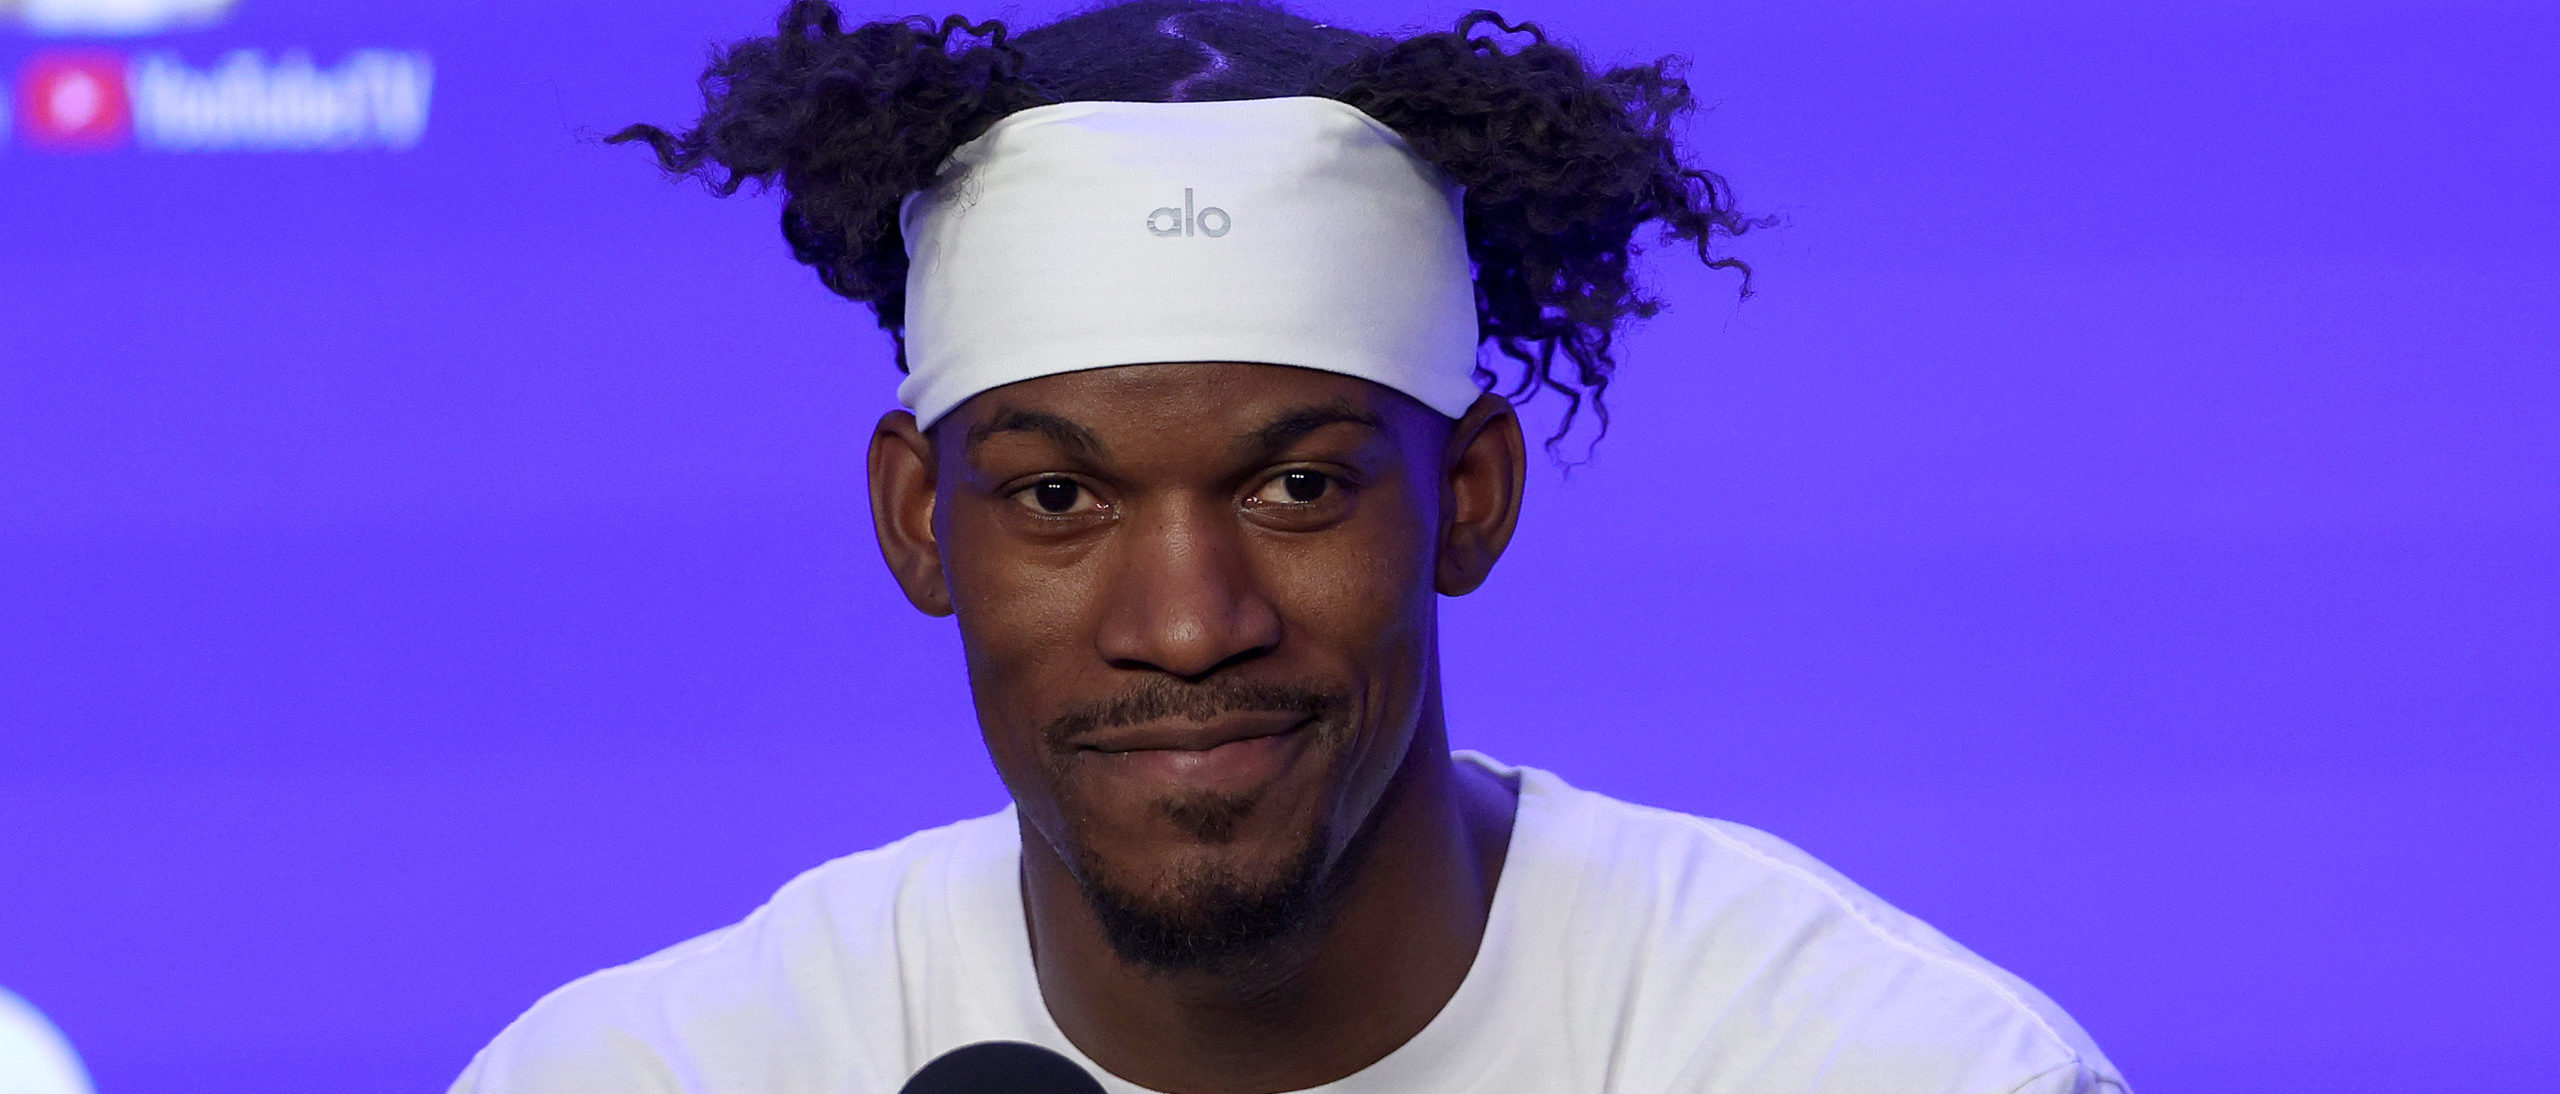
(1403, 932)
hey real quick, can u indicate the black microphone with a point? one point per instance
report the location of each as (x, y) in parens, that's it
(1001, 1067)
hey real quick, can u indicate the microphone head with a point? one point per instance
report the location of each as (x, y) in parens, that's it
(1001, 1067)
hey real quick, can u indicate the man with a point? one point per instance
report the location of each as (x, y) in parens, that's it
(1190, 296)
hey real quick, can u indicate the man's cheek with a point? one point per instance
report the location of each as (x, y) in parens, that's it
(1356, 604)
(1018, 621)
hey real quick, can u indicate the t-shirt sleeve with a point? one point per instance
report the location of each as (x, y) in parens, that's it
(1775, 973)
(750, 1015)
(807, 993)
(578, 1039)
(566, 1049)
(498, 1072)
(2076, 1077)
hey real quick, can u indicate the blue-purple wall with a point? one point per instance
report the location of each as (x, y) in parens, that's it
(2124, 530)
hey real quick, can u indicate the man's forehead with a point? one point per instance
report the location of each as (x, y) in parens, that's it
(1206, 404)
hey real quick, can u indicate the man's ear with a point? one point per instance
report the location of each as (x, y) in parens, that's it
(902, 486)
(1479, 494)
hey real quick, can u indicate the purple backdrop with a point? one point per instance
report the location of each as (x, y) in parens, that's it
(2123, 531)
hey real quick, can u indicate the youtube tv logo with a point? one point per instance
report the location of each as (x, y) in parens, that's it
(73, 101)
(245, 100)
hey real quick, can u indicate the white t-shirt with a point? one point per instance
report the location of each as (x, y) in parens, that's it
(1630, 950)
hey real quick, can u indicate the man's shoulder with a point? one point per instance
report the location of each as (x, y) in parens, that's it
(1763, 968)
(821, 970)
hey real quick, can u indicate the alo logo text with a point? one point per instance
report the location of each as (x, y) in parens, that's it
(1209, 220)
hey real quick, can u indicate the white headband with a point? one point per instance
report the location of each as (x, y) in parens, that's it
(1295, 231)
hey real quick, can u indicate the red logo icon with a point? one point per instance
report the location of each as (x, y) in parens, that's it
(73, 101)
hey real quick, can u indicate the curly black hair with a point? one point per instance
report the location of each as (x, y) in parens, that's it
(1561, 164)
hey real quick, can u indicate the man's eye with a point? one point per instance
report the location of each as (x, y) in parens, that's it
(1055, 497)
(1294, 488)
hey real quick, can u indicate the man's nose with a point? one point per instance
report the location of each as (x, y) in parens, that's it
(1183, 595)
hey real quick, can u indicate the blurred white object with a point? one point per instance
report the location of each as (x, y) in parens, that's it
(116, 17)
(34, 1059)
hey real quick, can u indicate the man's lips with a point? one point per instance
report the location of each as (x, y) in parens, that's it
(1231, 755)
(1189, 736)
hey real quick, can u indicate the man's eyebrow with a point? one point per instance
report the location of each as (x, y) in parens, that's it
(1065, 434)
(1288, 428)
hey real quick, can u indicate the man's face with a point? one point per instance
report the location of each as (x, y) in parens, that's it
(1197, 603)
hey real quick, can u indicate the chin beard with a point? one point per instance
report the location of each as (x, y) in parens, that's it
(1210, 918)
(1204, 915)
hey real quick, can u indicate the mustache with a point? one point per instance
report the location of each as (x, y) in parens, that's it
(1161, 700)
